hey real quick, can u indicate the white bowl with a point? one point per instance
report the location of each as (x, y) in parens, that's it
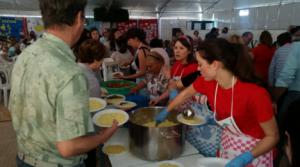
(107, 113)
(212, 162)
(111, 100)
(113, 144)
(181, 119)
(102, 103)
(170, 162)
(125, 105)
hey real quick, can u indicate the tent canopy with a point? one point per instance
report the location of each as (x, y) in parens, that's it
(149, 8)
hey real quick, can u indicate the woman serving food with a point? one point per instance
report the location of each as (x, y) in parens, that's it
(240, 105)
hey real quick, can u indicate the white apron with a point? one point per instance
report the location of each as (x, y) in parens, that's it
(234, 142)
(188, 102)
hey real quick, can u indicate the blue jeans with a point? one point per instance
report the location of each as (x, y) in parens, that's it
(21, 163)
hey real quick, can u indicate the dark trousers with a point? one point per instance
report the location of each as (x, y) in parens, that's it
(285, 101)
(21, 163)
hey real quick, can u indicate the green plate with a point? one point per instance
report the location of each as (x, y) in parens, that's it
(122, 87)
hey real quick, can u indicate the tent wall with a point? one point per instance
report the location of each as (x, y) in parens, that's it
(269, 17)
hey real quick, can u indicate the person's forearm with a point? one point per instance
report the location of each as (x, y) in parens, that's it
(140, 86)
(269, 141)
(185, 94)
(264, 146)
(82, 144)
(136, 75)
(164, 95)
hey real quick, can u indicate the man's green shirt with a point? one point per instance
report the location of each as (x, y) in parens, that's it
(48, 100)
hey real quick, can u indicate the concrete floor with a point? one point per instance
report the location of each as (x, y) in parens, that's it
(8, 146)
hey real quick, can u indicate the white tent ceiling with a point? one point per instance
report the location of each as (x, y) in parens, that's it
(149, 8)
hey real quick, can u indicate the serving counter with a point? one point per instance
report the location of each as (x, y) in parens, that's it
(126, 159)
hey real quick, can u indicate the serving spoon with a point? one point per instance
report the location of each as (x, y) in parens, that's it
(188, 114)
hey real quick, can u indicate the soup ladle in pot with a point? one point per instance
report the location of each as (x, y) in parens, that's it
(188, 114)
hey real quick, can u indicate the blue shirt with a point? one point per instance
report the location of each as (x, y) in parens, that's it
(289, 77)
(277, 62)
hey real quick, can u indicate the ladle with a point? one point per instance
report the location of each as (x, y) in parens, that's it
(188, 114)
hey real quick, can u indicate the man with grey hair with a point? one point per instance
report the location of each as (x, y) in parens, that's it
(49, 94)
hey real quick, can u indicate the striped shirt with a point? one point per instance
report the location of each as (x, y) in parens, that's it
(277, 62)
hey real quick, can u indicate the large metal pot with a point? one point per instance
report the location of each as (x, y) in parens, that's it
(155, 143)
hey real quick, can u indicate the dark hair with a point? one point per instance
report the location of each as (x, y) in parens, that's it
(187, 42)
(156, 43)
(94, 29)
(91, 50)
(58, 12)
(85, 35)
(136, 33)
(234, 57)
(291, 125)
(284, 38)
(294, 30)
(112, 40)
(122, 44)
(225, 30)
(266, 38)
(245, 34)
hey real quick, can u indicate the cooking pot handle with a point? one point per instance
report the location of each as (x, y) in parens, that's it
(169, 134)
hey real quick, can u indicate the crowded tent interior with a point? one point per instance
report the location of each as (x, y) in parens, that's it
(149, 83)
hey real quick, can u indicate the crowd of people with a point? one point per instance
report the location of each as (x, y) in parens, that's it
(252, 90)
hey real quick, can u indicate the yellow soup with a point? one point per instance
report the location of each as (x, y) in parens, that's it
(107, 118)
(94, 104)
(166, 123)
(195, 120)
(114, 149)
(168, 165)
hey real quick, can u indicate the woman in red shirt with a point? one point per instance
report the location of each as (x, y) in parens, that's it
(185, 63)
(262, 55)
(240, 106)
(185, 60)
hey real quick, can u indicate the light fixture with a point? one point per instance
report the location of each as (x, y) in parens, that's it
(244, 12)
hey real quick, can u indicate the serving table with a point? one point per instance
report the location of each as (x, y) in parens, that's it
(126, 159)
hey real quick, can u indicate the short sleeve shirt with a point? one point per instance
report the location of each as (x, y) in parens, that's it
(49, 100)
(181, 70)
(252, 104)
(93, 83)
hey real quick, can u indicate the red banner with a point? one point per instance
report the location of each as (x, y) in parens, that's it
(150, 26)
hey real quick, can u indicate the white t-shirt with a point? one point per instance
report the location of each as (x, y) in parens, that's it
(122, 58)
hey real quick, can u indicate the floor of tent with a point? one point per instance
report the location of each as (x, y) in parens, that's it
(8, 146)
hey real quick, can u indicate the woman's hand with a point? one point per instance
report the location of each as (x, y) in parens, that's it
(134, 90)
(154, 102)
(118, 76)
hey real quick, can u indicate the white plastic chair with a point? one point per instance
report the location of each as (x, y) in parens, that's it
(5, 86)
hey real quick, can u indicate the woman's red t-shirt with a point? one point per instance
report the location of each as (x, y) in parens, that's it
(182, 70)
(251, 104)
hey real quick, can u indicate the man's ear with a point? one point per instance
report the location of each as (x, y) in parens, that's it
(79, 17)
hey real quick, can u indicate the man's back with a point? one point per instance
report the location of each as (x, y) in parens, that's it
(47, 100)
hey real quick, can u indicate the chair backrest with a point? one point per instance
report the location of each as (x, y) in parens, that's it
(4, 76)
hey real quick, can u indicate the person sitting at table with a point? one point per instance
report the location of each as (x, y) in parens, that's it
(90, 57)
(156, 78)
